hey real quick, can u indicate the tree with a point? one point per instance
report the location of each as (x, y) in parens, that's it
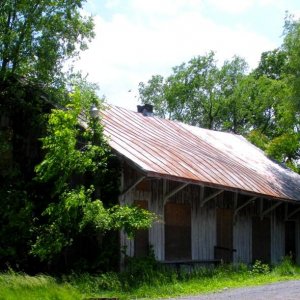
(263, 105)
(56, 211)
(273, 64)
(76, 157)
(37, 37)
(196, 92)
(277, 99)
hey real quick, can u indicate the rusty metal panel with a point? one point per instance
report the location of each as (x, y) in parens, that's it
(167, 149)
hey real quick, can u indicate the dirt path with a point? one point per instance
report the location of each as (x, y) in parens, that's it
(288, 290)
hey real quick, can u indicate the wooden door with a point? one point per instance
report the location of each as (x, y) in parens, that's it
(261, 239)
(177, 231)
(141, 240)
(224, 247)
(290, 239)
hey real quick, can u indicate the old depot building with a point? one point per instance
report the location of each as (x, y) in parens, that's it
(217, 196)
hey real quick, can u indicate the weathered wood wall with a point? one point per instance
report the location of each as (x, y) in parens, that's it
(242, 238)
(203, 231)
(203, 219)
(277, 238)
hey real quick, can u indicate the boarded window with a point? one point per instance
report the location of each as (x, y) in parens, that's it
(141, 240)
(290, 241)
(224, 247)
(177, 231)
(261, 240)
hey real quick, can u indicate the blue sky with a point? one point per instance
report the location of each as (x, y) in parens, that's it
(136, 39)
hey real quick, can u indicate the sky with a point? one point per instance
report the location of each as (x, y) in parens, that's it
(136, 39)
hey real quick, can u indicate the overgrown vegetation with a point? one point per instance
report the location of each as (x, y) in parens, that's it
(153, 281)
(59, 205)
(58, 178)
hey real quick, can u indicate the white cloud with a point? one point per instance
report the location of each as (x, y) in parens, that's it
(128, 50)
(232, 6)
(112, 3)
(242, 6)
(165, 7)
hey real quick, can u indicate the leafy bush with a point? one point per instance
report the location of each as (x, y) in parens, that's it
(286, 267)
(90, 284)
(260, 268)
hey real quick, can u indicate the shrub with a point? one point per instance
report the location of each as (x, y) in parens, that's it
(286, 267)
(260, 268)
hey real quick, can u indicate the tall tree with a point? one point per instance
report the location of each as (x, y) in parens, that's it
(37, 37)
(196, 91)
(76, 162)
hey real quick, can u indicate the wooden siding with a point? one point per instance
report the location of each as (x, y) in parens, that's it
(297, 242)
(242, 238)
(177, 231)
(203, 219)
(224, 249)
(141, 240)
(139, 193)
(277, 238)
(157, 232)
(203, 231)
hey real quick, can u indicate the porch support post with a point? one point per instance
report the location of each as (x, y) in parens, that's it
(270, 209)
(215, 194)
(293, 212)
(175, 191)
(243, 205)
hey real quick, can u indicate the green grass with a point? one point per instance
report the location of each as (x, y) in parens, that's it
(21, 286)
(152, 283)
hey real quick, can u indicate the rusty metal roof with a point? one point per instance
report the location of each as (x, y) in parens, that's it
(170, 149)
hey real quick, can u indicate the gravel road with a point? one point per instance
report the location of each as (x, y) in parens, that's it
(288, 290)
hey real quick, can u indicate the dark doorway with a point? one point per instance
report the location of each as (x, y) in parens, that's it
(290, 239)
(177, 231)
(224, 248)
(141, 240)
(261, 239)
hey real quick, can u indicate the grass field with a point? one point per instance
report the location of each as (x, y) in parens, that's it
(154, 284)
(23, 287)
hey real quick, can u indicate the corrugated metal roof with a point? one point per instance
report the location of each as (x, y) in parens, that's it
(164, 148)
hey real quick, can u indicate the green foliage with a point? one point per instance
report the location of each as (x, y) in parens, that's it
(285, 148)
(16, 220)
(38, 287)
(37, 38)
(64, 157)
(91, 285)
(273, 64)
(286, 267)
(195, 92)
(131, 218)
(76, 150)
(258, 139)
(263, 105)
(260, 268)
(146, 280)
